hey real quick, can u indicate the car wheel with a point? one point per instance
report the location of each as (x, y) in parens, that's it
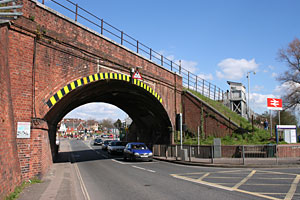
(131, 158)
(150, 160)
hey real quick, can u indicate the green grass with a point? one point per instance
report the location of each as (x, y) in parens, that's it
(15, 195)
(242, 122)
(257, 138)
(248, 137)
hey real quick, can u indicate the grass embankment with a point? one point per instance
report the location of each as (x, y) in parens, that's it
(249, 135)
(15, 195)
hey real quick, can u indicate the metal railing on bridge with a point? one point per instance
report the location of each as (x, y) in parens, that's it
(190, 80)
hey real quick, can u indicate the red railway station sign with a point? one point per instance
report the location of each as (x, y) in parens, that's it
(274, 104)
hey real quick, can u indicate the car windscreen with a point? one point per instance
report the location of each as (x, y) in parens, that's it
(107, 141)
(139, 146)
(118, 144)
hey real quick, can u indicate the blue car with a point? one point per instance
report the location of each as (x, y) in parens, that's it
(137, 151)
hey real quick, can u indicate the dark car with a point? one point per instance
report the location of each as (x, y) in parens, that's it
(137, 151)
(105, 144)
(98, 141)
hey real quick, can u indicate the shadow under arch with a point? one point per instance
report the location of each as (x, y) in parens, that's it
(143, 105)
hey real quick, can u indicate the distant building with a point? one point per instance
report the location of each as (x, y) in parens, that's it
(62, 128)
(95, 127)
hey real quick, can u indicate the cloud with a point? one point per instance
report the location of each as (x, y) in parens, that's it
(188, 65)
(97, 111)
(185, 64)
(234, 69)
(258, 102)
(274, 75)
(286, 88)
(206, 76)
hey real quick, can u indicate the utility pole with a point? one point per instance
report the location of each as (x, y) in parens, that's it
(248, 99)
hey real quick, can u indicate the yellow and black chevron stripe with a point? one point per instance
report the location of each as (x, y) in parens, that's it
(97, 77)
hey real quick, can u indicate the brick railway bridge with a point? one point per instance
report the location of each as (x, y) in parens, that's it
(51, 64)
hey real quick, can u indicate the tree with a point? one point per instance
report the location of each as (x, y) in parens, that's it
(107, 123)
(91, 122)
(118, 124)
(291, 77)
(286, 118)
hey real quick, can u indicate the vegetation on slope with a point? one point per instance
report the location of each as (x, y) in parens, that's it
(251, 135)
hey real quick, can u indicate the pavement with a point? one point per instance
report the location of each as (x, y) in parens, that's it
(63, 180)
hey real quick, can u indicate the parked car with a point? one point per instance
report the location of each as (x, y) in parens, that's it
(137, 151)
(105, 144)
(116, 146)
(98, 141)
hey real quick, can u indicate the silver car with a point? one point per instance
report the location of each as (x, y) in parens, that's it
(116, 147)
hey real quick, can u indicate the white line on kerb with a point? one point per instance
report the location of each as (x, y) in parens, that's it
(83, 188)
(149, 170)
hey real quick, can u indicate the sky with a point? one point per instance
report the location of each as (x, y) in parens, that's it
(219, 40)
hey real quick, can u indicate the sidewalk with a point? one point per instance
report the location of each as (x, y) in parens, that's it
(60, 183)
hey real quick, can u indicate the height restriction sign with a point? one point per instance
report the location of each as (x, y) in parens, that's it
(274, 104)
(137, 75)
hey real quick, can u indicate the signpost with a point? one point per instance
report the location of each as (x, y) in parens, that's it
(274, 104)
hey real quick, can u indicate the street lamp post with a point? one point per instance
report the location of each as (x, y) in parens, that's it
(248, 99)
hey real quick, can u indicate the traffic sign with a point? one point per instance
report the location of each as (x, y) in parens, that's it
(137, 75)
(274, 104)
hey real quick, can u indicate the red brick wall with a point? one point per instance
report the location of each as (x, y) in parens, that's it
(10, 173)
(289, 151)
(64, 68)
(212, 122)
(64, 52)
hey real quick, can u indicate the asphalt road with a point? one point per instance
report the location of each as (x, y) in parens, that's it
(109, 177)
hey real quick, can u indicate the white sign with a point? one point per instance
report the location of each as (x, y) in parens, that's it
(23, 130)
(289, 131)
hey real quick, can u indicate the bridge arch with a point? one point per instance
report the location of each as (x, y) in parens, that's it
(140, 101)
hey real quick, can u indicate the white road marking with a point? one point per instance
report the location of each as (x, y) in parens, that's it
(122, 163)
(149, 170)
(82, 185)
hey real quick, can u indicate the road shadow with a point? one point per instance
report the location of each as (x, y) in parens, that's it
(84, 156)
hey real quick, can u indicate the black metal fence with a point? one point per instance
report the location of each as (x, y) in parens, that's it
(190, 80)
(230, 154)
